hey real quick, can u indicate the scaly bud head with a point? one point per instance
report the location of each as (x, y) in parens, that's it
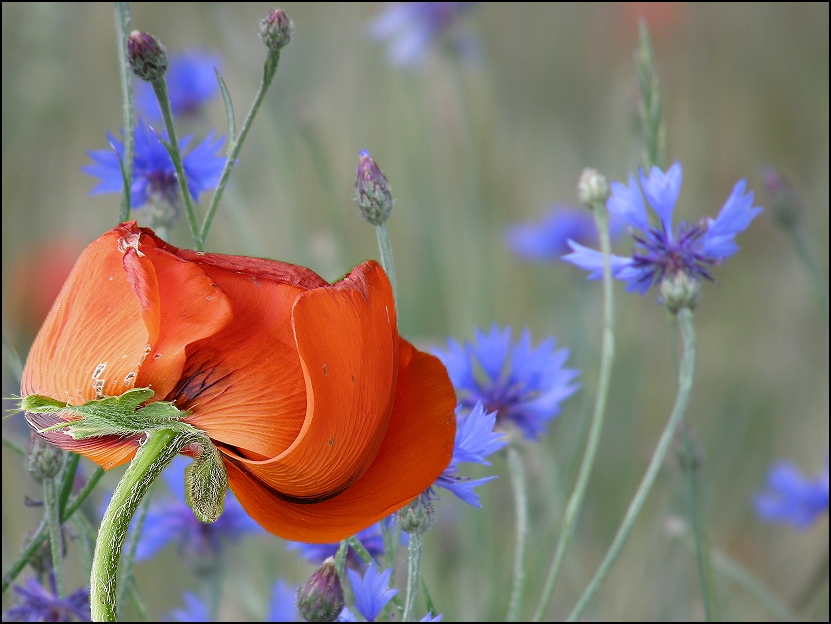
(373, 195)
(147, 56)
(680, 290)
(44, 460)
(275, 30)
(418, 516)
(592, 188)
(321, 598)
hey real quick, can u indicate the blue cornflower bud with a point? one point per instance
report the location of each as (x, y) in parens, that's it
(372, 192)
(321, 598)
(147, 56)
(275, 30)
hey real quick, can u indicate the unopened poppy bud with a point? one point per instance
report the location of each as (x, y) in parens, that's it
(275, 30)
(372, 192)
(785, 203)
(44, 460)
(147, 56)
(593, 187)
(321, 598)
(680, 290)
(206, 483)
(418, 516)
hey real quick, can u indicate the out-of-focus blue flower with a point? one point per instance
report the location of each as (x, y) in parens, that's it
(154, 175)
(372, 539)
(792, 497)
(432, 618)
(41, 604)
(661, 251)
(371, 592)
(522, 384)
(411, 27)
(283, 606)
(169, 519)
(195, 610)
(191, 83)
(346, 616)
(547, 239)
(475, 440)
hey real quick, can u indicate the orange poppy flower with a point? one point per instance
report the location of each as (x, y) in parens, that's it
(326, 419)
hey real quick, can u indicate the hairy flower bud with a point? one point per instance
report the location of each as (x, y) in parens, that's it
(418, 516)
(147, 56)
(593, 187)
(372, 192)
(44, 460)
(680, 290)
(275, 30)
(321, 598)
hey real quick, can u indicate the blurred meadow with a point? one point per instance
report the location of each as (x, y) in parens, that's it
(471, 143)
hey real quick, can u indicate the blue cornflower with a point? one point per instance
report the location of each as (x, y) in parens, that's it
(283, 606)
(522, 384)
(41, 604)
(411, 27)
(475, 440)
(547, 239)
(432, 618)
(154, 176)
(195, 610)
(792, 497)
(170, 519)
(191, 82)
(372, 539)
(660, 251)
(371, 592)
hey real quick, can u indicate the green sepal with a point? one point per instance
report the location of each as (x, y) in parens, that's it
(119, 415)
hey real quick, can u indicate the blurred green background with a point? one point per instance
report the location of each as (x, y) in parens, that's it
(469, 147)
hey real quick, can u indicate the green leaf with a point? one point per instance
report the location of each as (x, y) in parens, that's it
(229, 112)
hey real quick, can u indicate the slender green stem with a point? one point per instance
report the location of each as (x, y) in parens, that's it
(130, 554)
(51, 497)
(160, 89)
(607, 356)
(385, 247)
(413, 574)
(122, 33)
(152, 457)
(359, 549)
(42, 531)
(67, 479)
(692, 479)
(340, 558)
(269, 69)
(517, 471)
(820, 288)
(14, 447)
(685, 379)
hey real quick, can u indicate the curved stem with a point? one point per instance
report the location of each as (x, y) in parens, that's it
(518, 482)
(122, 33)
(413, 574)
(160, 89)
(269, 69)
(685, 379)
(607, 356)
(158, 450)
(820, 289)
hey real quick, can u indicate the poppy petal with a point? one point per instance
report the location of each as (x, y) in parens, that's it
(94, 338)
(418, 446)
(346, 337)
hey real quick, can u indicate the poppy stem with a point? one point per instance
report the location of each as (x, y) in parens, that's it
(152, 457)
(122, 32)
(607, 355)
(518, 481)
(413, 574)
(685, 379)
(385, 247)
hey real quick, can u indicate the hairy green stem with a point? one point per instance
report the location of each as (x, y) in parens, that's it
(340, 559)
(607, 356)
(160, 89)
(269, 69)
(42, 531)
(122, 33)
(152, 457)
(685, 379)
(518, 482)
(51, 498)
(130, 554)
(413, 574)
(385, 248)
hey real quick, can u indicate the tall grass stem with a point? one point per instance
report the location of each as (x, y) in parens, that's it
(520, 488)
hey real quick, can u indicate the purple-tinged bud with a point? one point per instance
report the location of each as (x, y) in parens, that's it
(680, 290)
(321, 598)
(275, 30)
(593, 188)
(147, 56)
(785, 203)
(44, 460)
(373, 195)
(417, 517)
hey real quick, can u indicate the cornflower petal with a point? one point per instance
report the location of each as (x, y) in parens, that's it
(627, 202)
(592, 260)
(491, 350)
(195, 610)
(661, 190)
(40, 604)
(792, 497)
(283, 605)
(371, 592)
(735, 216)
(191, 83)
